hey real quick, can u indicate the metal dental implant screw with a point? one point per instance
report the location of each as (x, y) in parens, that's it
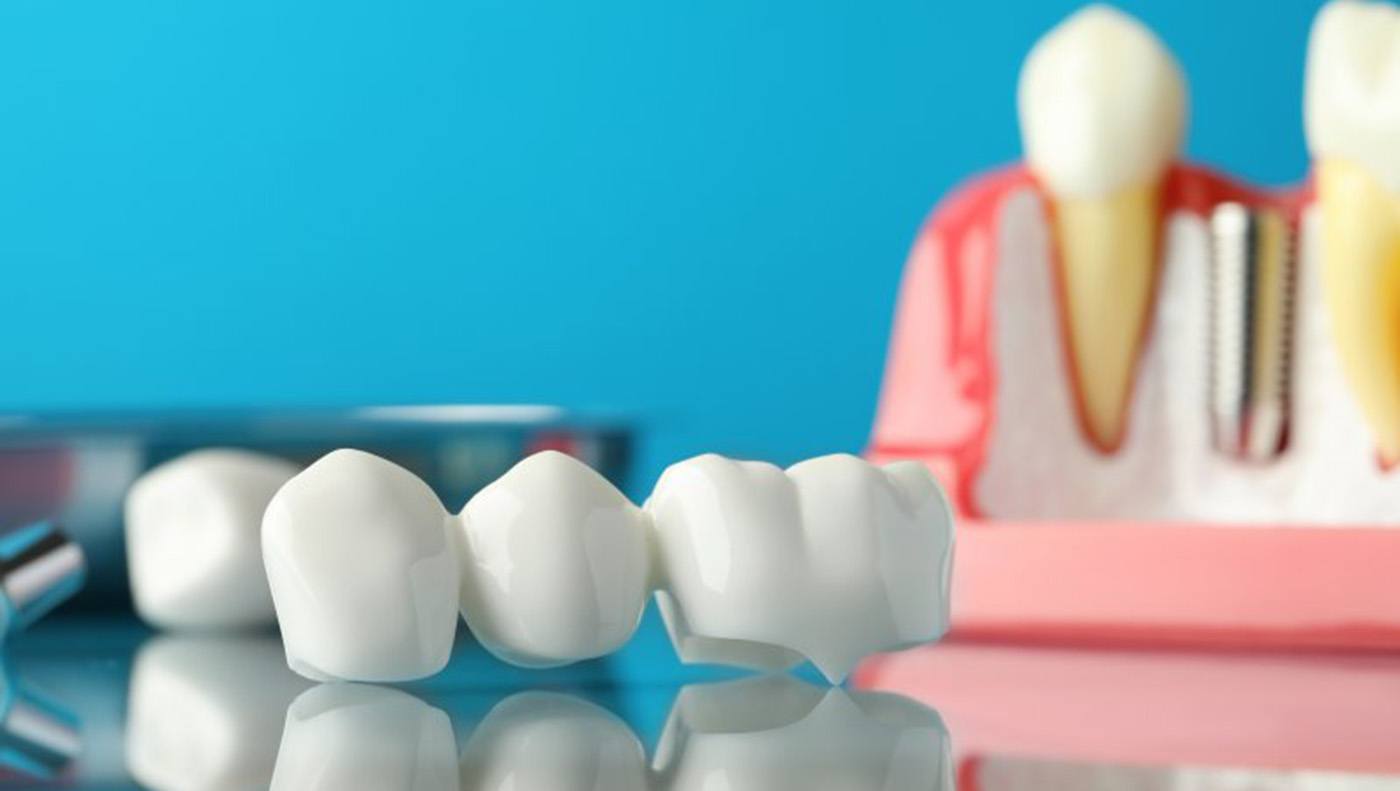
(1252, 281)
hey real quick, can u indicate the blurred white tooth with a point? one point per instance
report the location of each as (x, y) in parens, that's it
(205, 713)
(356, 736)
(776, 733)
(831, 561)
(362, 572)
(555, 563)
(192, 539)
(1103, 106)
(1352, 114)
(540, 741)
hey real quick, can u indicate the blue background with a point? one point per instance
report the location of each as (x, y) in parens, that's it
(694, 210)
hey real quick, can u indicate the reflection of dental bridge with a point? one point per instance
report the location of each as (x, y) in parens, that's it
(1050, 361)
(228, 699)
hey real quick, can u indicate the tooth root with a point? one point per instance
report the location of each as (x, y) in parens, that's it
(555, 563)
(1361, 278)
(1102, 107)
(1108, 264)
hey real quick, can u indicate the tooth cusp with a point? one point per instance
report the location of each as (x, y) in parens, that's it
(555, 563)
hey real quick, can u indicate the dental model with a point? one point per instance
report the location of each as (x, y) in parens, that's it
(1177, 369)
(192, 546)
(827, 561)
(1076, 300)
(769, 734)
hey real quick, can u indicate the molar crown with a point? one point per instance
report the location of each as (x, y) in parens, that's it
(830, 560)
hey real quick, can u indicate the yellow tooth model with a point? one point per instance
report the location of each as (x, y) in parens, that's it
(1102, 107)
(1353, 123)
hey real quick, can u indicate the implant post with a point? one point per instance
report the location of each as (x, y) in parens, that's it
(1252, 280)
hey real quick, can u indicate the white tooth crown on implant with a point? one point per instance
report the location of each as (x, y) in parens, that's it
(1352, 115)
(828, 561)
(1102, 107)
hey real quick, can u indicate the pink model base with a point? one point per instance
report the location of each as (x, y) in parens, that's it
(1103, 582)
(1153, 708)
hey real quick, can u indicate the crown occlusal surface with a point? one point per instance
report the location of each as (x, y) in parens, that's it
(830, 560)
(1102, 107)
(1352, 110)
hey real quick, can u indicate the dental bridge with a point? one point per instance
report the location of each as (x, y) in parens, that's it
(828, 561)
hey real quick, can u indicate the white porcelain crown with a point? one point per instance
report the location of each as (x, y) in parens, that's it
(828, 561)
(192, 539)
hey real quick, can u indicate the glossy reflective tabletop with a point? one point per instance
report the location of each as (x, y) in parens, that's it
(105, 703)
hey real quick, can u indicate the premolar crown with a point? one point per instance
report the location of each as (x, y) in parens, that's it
(556, 563)
(1103, 106)
(830, 560)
